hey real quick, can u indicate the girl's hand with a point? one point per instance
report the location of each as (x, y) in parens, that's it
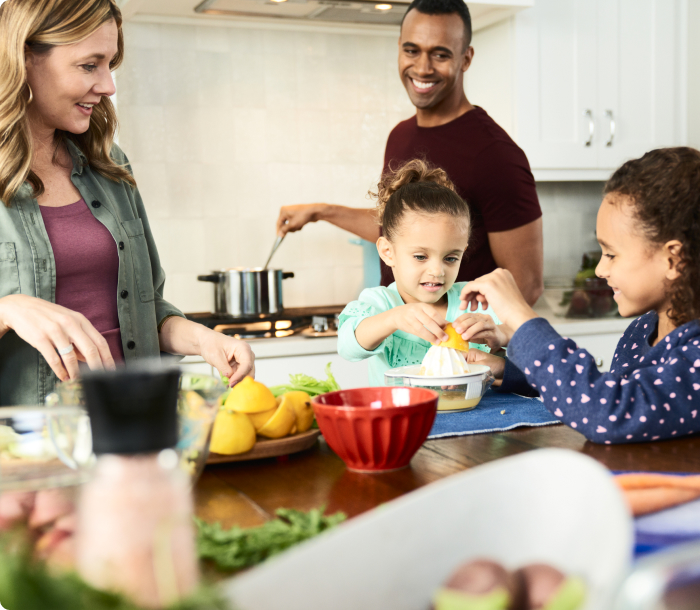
(420, 319)
(481, 328)
(233, 358)
(495, 363)
(49, 327)
(499, 290)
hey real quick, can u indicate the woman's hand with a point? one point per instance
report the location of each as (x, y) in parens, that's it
(495, 363)
(49, 327)
(420, 319)
(233, 358)
(499, 290)
(481, 328)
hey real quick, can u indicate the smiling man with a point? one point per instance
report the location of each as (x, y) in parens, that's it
(488, 169)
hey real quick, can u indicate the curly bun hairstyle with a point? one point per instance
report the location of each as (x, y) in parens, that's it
(419, 187)
(664, 189)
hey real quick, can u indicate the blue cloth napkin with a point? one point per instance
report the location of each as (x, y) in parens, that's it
(487, 416)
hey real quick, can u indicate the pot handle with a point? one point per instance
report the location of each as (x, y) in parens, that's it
(209, 278)
(287, 274)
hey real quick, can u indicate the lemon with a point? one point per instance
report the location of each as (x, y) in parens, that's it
(300, 403)
(281, 422)
(233, 433)
(455, 340)
(250, 396)
(260, 419)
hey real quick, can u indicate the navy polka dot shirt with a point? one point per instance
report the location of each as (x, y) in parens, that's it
(650, 392)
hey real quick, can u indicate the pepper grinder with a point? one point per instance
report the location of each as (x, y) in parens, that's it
(135, 531)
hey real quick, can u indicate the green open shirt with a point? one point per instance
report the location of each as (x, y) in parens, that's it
(27, 266)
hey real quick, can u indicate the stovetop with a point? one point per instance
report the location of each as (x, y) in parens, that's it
(306, 321)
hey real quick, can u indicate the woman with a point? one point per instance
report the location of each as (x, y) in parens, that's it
(80, 277)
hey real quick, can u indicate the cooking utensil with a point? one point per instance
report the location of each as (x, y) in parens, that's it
(245, 291)
(276, 245)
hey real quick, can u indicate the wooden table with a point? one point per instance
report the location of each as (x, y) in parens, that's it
(248, 493)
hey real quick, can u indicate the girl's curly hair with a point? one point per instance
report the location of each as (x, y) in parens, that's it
(419, 187)
(664, 188)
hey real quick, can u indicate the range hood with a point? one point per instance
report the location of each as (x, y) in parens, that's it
(387, 13)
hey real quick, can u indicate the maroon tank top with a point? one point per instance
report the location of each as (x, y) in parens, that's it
(87, 268)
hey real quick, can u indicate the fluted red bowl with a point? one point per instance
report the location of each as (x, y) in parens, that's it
(376, 429)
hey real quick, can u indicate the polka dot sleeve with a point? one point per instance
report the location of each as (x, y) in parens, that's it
(650, 393)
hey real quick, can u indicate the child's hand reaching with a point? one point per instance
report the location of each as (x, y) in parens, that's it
(422, 320)
(495, 363)
(499, 290)
(481, 328)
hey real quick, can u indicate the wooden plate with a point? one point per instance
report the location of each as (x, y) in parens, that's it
(265, 448)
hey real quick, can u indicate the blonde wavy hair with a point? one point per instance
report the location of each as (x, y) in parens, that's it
(419, 187)
(37, 26)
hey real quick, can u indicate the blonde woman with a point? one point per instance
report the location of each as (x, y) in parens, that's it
(80, 277)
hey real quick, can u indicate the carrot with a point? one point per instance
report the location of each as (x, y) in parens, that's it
(650, 480)
(652, 499)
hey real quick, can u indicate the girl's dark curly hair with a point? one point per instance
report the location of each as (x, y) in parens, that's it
(664, 188)
(419, 187)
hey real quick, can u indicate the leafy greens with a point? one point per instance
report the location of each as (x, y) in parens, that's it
(306, 383)
(238, 548)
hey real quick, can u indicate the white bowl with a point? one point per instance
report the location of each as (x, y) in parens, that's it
(552, 506)
(457, 392)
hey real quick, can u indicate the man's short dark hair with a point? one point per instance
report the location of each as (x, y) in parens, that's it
(445, 7)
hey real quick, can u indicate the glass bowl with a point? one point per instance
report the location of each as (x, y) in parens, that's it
(584, 298)
(456, 392)
(197, 406)
(44, 448)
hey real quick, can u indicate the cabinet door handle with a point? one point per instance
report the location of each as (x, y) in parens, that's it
(591, 127)
(599, 362)
(611, 118)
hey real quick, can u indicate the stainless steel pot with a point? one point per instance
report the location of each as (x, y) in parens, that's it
(245, 291)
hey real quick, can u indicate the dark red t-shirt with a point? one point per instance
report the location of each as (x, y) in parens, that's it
(489, 170)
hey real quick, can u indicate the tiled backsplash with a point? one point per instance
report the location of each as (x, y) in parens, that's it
(224, 125)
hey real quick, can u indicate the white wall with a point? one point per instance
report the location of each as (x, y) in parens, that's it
(224, 125)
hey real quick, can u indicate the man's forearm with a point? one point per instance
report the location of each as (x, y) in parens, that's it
(360, 221)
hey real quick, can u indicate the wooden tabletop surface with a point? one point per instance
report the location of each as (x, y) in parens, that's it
(248, 493)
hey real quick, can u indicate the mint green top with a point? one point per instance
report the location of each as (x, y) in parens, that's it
(400, 348)
(27, 267)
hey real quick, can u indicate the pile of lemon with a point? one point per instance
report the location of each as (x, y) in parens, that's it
(251, 409)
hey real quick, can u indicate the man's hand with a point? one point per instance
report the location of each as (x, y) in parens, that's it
(293, 217)
(481, 328)
(499, 290)
(360, 221)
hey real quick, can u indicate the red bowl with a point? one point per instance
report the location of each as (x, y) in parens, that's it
(376, 429)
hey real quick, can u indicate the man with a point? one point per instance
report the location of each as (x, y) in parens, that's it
(488, 169)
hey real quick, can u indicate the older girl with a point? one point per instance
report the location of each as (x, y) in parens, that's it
(80, 277)
(425, 231)
(649, 229)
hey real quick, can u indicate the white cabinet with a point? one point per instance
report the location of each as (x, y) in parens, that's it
(589, 84)
(597, 81)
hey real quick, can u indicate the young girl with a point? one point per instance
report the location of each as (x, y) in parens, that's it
(649, 229)
(425, 231)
